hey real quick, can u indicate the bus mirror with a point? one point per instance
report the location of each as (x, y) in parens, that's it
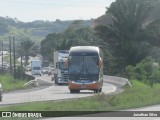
(100, 62)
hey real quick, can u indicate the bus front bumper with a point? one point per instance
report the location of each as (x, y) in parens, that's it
(84, 86)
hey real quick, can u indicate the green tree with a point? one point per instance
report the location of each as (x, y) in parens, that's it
(50, 44)
(27, 48)
(127, 35)
(77, 34)
(3, 28)
(147, 71)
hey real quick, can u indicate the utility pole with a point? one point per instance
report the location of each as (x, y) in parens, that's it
(10, 51)
(14, 58)
(21, 60)
(2, 57)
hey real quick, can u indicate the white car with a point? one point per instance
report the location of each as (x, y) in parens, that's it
(50, 71)
(28, 68)
(45, 70)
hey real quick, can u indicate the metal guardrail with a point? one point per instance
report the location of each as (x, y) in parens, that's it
(33, 82)
(110, 79)
(117, 80)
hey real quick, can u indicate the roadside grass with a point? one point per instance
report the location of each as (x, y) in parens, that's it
(9, 83)
(138, 95)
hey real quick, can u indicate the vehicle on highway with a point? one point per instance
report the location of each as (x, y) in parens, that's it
(45, 70)
(1, 90)
(28, 68)
(50, 71)
(60, 69)
(5, 67)
(85, 68)
(36, 67)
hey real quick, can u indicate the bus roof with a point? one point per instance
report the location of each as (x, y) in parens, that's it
(84, 50)
(62, 51)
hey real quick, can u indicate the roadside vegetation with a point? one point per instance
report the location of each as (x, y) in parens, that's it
(10, 84)
(147, 71)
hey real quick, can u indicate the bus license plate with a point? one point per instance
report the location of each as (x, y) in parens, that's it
(83, 86)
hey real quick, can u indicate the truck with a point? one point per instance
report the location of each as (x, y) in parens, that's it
(36, 67)
(45, 61)
(60, 69)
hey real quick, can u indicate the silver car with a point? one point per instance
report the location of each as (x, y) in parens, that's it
(45, 70)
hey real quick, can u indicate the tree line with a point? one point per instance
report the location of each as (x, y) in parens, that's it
(127, 39)
(76, 34)
(132, 37)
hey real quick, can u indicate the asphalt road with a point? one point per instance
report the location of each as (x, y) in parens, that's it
(53, 92)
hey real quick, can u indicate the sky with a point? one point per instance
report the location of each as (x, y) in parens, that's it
(30, 10)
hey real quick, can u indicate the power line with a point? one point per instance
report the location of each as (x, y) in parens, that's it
(69, 4)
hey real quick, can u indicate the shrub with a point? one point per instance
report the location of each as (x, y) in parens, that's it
(147, 71)
(155, 77)
(20, 73)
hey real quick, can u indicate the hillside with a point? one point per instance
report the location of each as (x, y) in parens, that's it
(36, 30)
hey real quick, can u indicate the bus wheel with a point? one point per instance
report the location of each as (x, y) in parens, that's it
(72, 91)
(100, 90)
(96, 91)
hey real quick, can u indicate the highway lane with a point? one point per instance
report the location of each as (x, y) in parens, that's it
(53, 92)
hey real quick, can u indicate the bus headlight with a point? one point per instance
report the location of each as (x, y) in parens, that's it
(72, 81)
(94, 81)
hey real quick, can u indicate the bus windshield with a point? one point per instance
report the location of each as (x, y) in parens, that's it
(83, 67)
(36, 68)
